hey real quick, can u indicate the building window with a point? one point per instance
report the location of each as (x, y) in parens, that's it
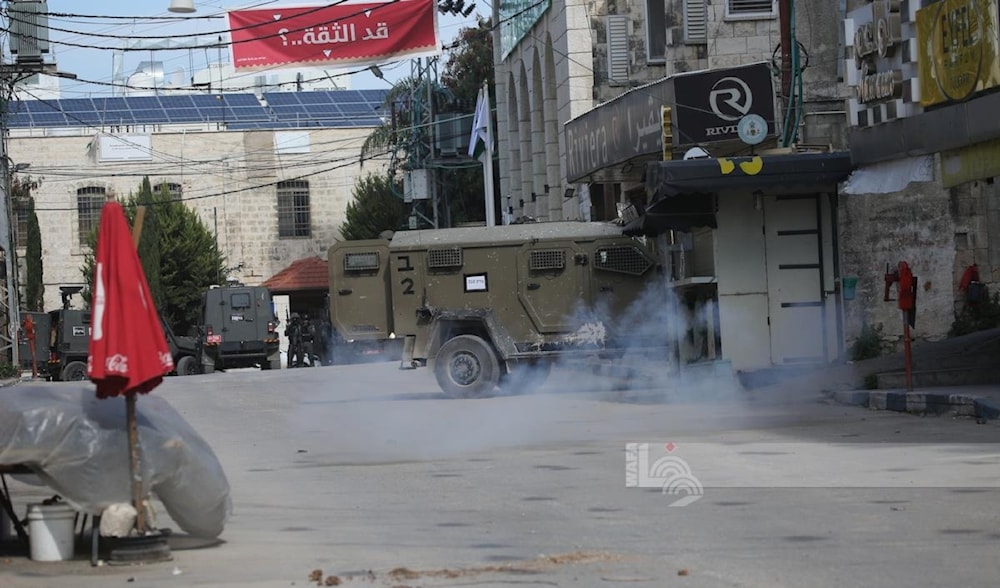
(751, 8)
(656, 31)
(22, 212)
(293, 209)
(89, 201)
(176, 191)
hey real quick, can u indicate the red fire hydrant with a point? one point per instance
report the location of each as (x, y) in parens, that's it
(906, 299)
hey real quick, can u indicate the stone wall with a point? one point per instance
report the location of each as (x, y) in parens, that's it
(227, 177)
(916, 225)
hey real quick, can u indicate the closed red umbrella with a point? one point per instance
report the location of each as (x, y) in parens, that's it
(128, 351)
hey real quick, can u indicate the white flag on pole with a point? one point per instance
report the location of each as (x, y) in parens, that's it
(480, 125)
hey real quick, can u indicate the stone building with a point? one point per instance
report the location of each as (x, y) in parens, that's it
(925, 138)
(270, 181)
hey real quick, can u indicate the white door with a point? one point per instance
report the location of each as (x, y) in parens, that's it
(793, 244)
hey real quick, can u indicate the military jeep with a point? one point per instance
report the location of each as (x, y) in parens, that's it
(494, 306)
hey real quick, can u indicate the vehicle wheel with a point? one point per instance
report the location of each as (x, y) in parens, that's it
(466, 367)
(187, 366)
(74, 371)
(524, 377)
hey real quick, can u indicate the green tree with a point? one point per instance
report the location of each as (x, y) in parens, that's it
(470, 65)
(34, 278)
(189, 260)
(376, 207)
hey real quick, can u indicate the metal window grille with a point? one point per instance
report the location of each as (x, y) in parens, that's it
(89, 201)
(362, 261)
(294, 219)
(617, 39)
(548, 259)
(750, 8)
(240, 300)
(695, 21)
(443, 258)
(624, 259)
(21, 207)
(175, 191)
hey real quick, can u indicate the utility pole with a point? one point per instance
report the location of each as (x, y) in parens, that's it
(28, 25)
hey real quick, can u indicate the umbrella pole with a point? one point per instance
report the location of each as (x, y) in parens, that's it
(130, 416)
(133, 454)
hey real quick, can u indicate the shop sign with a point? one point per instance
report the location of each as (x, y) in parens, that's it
(957, 50)
(874, 32)
(710, 104)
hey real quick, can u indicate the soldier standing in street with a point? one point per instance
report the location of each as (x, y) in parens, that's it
(308, 337)
(294, 334)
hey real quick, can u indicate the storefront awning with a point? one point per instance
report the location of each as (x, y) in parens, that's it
(682, 193)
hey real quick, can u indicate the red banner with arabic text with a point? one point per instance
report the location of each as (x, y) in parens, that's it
(345, 33)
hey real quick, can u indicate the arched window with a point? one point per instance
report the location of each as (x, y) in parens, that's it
(294, 219)
(89, 201)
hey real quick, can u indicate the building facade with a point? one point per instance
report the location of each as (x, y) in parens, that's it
(599, 102)
(269, 195)
(926, 142)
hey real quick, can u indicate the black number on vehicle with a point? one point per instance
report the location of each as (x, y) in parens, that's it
(407, 285)
(405, 263)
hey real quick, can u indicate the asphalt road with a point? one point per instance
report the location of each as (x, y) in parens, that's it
(367, 474)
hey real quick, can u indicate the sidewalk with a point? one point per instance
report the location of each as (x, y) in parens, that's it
(982, 402)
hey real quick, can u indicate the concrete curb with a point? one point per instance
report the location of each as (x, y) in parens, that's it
(921, 402)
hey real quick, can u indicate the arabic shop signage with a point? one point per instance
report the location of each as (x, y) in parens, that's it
(957, 50)
(337, 34)
(877, 74)
(517, 17)
(617, 131)
(710, 104)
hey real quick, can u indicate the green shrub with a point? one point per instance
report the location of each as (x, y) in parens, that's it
(977, 317)
(7, 370)
(868, 345)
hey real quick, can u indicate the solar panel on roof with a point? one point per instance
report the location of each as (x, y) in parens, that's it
(84, 118)
(180, 115)
(103, 104)
(49, 118)
(76, 105)
(241, 100)
(42, 106)
(118, 117)
(314, 97)
(249, 113)
(280, 98)
(356, 108)
(170, 102)
(143, 103)
(148, 116)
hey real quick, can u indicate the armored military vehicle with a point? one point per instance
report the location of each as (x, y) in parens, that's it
(240, 328)
(494, 306)
(66, 333)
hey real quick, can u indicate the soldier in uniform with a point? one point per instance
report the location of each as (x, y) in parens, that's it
(308, 339)
(294, 334)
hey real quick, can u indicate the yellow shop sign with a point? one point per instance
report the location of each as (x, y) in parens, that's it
(957, 50)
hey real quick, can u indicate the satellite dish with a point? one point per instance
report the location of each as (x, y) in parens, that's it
(752, 129)
(697, 153)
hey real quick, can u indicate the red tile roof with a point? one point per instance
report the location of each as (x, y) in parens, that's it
(303, 274)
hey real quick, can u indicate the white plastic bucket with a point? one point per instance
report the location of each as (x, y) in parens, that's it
(50, 531)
